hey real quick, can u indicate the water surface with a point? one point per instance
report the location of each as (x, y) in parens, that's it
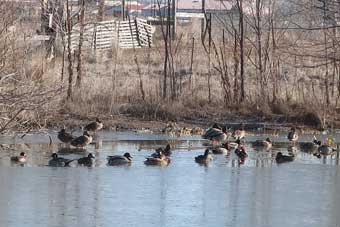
(258, 193)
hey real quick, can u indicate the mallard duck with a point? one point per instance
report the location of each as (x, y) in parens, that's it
(280, 158)
(161, 160)
(160, 151)
(325, 149)
(267, 143)
(216, 134)
(82, 141)
(94, 126)
(205, 158)
(59, 161)
(119, 159)
(86, 161)
(292, 135)
(223, 149)
(65, 137)
(22, 158)
(240, 152)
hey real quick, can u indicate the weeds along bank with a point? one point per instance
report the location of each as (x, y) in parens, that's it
(285, 75)
(112, 84)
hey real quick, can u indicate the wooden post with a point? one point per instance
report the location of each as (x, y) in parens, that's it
(202, 20)
(174, 20)
(137, 31)
(123, 9)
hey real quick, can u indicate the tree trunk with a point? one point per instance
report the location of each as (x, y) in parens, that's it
(80, 45)
(241, 26)
(69, 50)
(101, 10)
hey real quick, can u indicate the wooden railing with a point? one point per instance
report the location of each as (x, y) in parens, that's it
(134, 33)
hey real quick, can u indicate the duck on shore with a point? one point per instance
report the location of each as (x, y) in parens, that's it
(239, 134)
(119, 159)
(205, 158)
(64, 136)
(82, 141)
(94, 126)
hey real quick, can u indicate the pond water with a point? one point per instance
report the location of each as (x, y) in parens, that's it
(259, 193)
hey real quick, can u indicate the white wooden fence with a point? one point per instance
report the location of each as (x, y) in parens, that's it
(135, 33)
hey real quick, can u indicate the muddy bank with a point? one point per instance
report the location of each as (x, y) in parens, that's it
(130, 123)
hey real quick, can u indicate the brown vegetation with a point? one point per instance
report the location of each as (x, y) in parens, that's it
(245, 66)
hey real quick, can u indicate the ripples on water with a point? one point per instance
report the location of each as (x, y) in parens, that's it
(259, 193)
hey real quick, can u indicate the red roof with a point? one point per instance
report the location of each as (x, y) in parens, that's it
(135, 7)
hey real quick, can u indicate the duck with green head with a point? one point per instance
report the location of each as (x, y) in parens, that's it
(160, 151)
(281, 158)
(86, 161)
(57, 161)
(116, 160)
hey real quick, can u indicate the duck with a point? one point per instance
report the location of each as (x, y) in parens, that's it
(239, 134)
(185, 131)
(197, 131)
(170, 128)
(205, 158)
(325, 149)
(119, 159)
(64, 136)
(161, 160)
(240, 152)
(309, 146)
(292, 135)
(166, 151)
(22, 158)
(224, 149)
(267, 143)
(86, 161)
(280, 158)
(216, 134)
(59, 161)
(82, 141)
(94, 126)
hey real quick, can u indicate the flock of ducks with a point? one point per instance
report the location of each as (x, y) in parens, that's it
(217, 135)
